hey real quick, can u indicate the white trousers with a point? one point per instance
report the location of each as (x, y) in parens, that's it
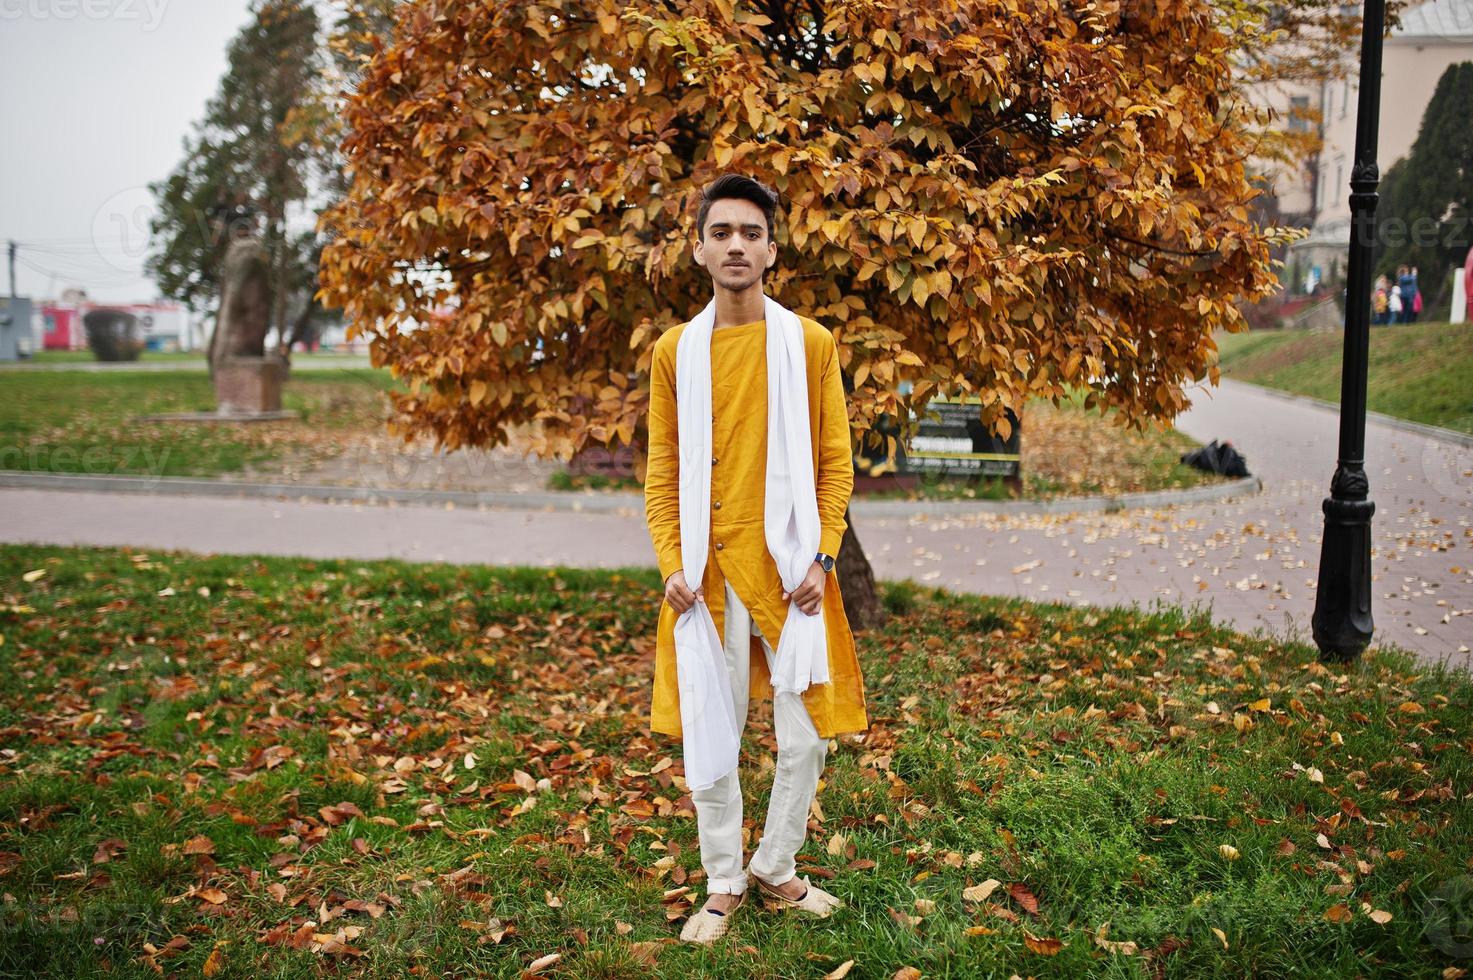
(801, 753)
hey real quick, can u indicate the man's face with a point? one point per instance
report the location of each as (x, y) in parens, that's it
(737, 250)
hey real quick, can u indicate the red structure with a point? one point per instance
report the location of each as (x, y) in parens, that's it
(1468, 281)
(61, 328)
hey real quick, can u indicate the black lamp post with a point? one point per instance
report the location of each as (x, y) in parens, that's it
(1341, 623)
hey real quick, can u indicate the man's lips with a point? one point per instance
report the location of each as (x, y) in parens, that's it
(736, 265)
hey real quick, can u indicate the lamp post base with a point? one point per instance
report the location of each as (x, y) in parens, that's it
(1341, 623)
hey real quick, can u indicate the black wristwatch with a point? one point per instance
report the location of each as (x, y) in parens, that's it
(827, 561)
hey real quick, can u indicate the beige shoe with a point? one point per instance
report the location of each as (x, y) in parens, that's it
(815, 900)
(705, 926)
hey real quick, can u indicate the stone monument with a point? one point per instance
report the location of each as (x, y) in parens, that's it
(247, 380)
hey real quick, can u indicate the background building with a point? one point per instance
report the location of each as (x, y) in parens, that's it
(1432, 36)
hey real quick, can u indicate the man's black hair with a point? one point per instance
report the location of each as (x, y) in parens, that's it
(736, 185)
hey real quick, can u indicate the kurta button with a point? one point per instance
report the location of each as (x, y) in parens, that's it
(720, 545)
(716, 504)
(713, 460)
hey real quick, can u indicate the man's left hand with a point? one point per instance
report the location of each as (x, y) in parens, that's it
(809, 595)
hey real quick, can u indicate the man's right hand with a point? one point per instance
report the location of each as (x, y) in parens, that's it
(679, 595)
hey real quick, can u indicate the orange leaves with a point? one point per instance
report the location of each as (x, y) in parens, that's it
(559, 210)
(1024, 897)
(199, 844)
(213, 896)
(339, 813)
(270, 756)
(917, 228)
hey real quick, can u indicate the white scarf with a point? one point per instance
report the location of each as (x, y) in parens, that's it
(711, 739)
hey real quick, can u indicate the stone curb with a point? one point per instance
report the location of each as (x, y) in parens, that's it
(591, 502)
(1420, 428)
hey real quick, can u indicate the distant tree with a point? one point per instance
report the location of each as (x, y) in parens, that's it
(1424, 216)
(253, 148)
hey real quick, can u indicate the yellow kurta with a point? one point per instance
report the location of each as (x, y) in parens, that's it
(738, 542)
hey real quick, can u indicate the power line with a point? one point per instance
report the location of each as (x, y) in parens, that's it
(84, 278)
(98, 268)
(70, 249)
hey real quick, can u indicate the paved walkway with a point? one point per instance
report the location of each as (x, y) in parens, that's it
(1252, 560)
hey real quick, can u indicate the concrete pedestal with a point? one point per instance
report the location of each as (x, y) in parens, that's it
(250, 385)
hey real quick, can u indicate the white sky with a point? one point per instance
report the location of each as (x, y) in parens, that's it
(98, 96)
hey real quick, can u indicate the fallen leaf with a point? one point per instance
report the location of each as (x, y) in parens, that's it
(543, 962)
(979, 893)
(646, 952)
(1122, 946)
(840, 971)
(1340, 912)
(215, 962)
(1024, 897)
(902, 919)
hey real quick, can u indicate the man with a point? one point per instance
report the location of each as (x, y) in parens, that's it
(741, 581)
(1406, 281)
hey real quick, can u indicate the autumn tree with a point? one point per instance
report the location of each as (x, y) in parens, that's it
(251, 148)
(1005, 199)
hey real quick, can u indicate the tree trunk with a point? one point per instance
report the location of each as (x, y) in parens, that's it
(862, 605)
(279, 312)
(301, 328)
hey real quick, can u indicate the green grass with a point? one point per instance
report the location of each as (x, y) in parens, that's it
(565, 480)
(203, 756)
(74, 422)
(1422, 372)
(87, 357)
